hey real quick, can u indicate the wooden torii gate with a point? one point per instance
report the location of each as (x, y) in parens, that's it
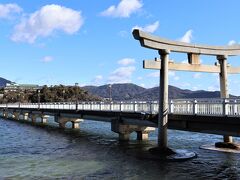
(193, 52)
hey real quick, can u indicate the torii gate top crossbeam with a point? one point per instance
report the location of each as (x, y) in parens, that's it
(155, 42)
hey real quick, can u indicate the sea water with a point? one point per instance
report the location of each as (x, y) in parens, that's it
(94, 152)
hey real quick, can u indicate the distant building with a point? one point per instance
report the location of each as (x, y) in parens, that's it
(21, 87)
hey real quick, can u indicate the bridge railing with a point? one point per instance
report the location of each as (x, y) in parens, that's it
(133, 106)
(210, 107)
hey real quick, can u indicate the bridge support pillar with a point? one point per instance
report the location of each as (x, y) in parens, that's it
(33, 118)
(63, 120)
(124, 136)
(16, 115)
(5, 114)
(223, 76)
(125, 130)
(44, 119)
(25, 116)
(1, 112)
(143, 135)
(75, 125)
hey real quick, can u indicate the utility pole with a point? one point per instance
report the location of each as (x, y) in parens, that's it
(76, 95)
(63, 95)
(38, 91)
(110, 92)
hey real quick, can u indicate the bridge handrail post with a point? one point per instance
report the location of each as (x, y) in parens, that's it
(150, 108)
(100, 106)
(76, 105)
(235, 108)
(195, 111)
(120, 106)
(225, 109)
(91, 106)
(171, 107)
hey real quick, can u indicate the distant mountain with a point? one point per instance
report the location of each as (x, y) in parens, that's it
(129, 91)
(3, 82)
(119, 91)
(176, 93)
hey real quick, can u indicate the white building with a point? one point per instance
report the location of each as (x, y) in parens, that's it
(21, 87)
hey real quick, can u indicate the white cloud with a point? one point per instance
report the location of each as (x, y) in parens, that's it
(7, 10)
(151, 28)
(47, 59)
(197, 75)
(98, 80)
(123, 34)
(232, 42)
(171, 73)
(47, 20)
(124, 9)
(176, 78)
(195, 88)
(122, 75)
(185, 85)
(126, 61)
(213, 88)
(154, 74)
(187, 38)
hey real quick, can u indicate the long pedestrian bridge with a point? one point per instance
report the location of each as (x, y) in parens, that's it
(214, 116)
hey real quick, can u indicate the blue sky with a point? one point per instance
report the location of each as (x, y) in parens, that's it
(64, 42)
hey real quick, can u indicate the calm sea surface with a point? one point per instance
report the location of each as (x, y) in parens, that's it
(32, 152)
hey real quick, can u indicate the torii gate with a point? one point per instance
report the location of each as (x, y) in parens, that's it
(193, 51)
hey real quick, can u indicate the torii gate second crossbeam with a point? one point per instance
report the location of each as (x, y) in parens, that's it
(193, 52)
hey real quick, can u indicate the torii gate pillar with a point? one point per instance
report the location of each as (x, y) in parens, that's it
(163, 101)
(224, 86)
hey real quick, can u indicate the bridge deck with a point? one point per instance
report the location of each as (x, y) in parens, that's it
(215, 116)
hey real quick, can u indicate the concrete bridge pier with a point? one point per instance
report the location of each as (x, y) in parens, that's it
(1, 113)
(25, 116)
(33, 117)
(125, 130)
(63, 121)
(15, 115)
(75, 125)
(143, 135)
(5, 114)
(44, 118)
